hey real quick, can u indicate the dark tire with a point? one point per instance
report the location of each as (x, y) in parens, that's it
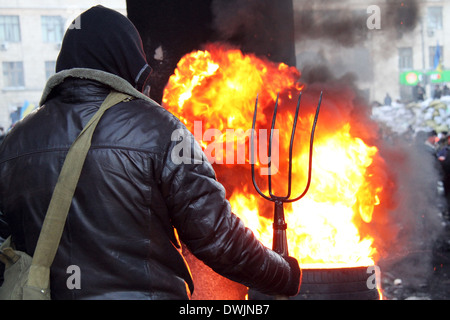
(331, 284)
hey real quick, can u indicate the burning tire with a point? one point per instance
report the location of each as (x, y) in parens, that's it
(332, 284)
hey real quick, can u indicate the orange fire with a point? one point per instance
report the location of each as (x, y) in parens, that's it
(215, 89)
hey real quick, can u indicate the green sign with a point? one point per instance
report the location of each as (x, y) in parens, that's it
(412, 78)
(439, 77)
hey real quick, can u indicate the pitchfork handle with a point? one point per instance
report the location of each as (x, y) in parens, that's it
(279, 244)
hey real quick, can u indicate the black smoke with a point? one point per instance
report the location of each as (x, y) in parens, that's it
(261, 27)
(347, 25)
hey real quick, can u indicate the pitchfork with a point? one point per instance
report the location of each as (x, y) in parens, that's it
(279, 225)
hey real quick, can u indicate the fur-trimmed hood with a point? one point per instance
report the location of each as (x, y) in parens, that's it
(109, 79)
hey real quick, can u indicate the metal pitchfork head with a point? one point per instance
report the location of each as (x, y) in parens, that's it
(279, 225)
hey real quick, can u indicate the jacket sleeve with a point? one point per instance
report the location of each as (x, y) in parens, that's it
(202, 216)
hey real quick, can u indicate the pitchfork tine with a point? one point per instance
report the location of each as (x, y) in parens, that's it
(274, 118)
(311, 143)
(252, 153)
(291, 145)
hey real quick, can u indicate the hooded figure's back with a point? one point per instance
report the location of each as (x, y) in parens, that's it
(120, 231)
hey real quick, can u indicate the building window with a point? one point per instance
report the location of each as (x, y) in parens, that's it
(434, 18)
(49, 69)
(405, 58)
(9, 29)
(52, 28)
(13, 74)
(435, 57)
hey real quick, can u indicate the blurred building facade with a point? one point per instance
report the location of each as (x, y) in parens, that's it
(31, 33)
(410, 45)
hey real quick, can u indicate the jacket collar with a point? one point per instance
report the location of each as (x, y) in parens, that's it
(109, 79)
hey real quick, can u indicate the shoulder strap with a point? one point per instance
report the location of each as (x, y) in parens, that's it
(52, 228)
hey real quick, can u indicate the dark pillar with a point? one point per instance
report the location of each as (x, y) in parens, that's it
(262, 27)
(176, 27)
(171, 29)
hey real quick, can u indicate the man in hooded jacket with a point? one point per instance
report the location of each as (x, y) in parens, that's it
(132, 203)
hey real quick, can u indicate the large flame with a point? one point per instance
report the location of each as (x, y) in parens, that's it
(330, 227)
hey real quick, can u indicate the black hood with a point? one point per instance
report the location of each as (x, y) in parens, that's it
(104, 39)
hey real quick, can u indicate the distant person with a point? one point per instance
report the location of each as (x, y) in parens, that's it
(437, 92)
(419, 93)
(425, 141)
(387, 100)
(445, 90)
(2, 134)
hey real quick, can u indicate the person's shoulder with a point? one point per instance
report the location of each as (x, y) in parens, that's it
(149, 109)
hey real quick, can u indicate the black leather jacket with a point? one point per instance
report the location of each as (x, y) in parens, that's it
(131, 206)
